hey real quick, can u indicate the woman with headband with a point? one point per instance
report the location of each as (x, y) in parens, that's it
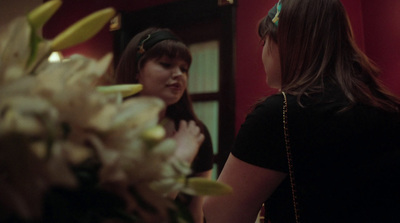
(326, 147)
(160, 61)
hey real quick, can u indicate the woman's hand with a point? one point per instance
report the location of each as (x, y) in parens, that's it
(188, 139)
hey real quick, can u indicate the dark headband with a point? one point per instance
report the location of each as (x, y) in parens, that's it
(151, 39)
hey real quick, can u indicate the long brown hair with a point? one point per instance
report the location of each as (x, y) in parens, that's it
(129, 65)
(317, 49)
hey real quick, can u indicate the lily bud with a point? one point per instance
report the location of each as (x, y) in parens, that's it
(125, 89)
(154, 134)
(82, 30)
(41, 14)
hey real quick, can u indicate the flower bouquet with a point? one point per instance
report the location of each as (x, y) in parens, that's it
(71, 151)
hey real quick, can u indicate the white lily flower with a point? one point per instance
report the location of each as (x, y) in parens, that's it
(14, 50)
(54, 119)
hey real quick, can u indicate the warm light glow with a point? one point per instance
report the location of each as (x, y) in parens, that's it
(225, 2)
(55, 57)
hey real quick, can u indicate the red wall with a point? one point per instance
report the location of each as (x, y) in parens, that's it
(376, 24)
(382, 33)
(250, 76)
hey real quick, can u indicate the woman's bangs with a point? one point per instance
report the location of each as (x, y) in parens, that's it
(172, 49)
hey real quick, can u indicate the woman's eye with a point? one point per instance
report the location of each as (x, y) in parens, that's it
(166, 65)
(184, 70)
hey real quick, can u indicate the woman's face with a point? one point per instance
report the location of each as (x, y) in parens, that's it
(272, 64)
(165, 78)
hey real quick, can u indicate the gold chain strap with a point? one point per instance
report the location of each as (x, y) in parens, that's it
(289, 157)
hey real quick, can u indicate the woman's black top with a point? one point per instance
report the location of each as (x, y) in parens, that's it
(346, 162)
(203, 161)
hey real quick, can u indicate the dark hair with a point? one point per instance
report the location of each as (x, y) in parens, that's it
(317, 49)
(128, 69)
(266, 28)
(128, 66)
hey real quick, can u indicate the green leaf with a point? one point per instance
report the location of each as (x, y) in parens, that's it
(34, 44)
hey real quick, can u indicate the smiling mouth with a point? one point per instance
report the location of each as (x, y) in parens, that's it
(175, 86)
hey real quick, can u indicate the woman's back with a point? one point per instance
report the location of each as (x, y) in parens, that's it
(346, 163)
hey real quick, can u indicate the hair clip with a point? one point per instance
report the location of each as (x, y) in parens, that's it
(275, 20)
(141, 49)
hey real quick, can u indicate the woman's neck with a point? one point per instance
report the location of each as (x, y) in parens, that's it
(167, 123)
